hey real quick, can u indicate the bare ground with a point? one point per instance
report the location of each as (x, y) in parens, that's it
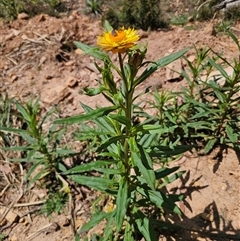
(38, 58)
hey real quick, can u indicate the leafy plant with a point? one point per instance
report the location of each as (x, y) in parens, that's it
(40, 147)
(209, 9)
(9, 9)
(205, 10)
(94, 6)
(206, 112)
(179, 20)
(124, 167)
(2, 237)
(233, 13)
(223, 27)
(54, 203)
(6, 118)
(138, 13)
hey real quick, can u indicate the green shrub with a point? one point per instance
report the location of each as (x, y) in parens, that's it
(207, 10)
(205, 113)
(145, 14)
(233, 14)
(94, 6)
(9, 9)
(179, 20)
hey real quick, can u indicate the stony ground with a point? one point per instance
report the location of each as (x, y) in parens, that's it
(38, 58)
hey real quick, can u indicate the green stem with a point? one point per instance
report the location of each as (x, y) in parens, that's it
(128, 113)
(124, 78)
(225, 111)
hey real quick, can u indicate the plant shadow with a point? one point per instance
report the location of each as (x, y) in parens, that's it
(207, 225)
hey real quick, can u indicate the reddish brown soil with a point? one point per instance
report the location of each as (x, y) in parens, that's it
(38, 58)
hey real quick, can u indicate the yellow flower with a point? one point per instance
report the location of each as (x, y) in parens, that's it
(118, 41)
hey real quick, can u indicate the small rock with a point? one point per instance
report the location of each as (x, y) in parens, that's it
(42, 60)
(14, 238)
(16, 32)
(3, 222)
(79, 51)
(66, 222)
(69, 63)
(41, 18)
(14, 78)
(11, 216)
(190, 18)
(75, 13)
(54, 96)
(142, 34)
(22, 16)
(22, 220)
(71, 81)
(53, 228)
(48, 77)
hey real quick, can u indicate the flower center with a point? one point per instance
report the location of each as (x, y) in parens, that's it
(117, 35)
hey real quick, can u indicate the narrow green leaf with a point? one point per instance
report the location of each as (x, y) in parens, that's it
(163, 172)
(33, 168)
(93, 51)
(220, 95)
(232, 135)
(108, 232)
(158, 64)
(76, 238)
(149, 139)
(200, 125)
(122, 119)
(160, 199)
(165, 151)
(24, 112)
(17, 148)
(210, 145)
(94, 221)
(94, 91)
(98, 183)
(144, 225)
(104, 123)
(142, 160)
(107, 26)
(88, 167)
(200, 113)
(171, 179)
(153, 129)
(128, 233)
(122, 203)
(29, 139)
(219, 68)
(110, 141)
(12, 130)
(108, 171)
(89, 116)
(41, 174)
(18, 159)
(234, 38)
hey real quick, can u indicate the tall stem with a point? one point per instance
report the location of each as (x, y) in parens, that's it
(225, 111)
(128, 113)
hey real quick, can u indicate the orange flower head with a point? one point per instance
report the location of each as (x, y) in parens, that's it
(118, 41)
